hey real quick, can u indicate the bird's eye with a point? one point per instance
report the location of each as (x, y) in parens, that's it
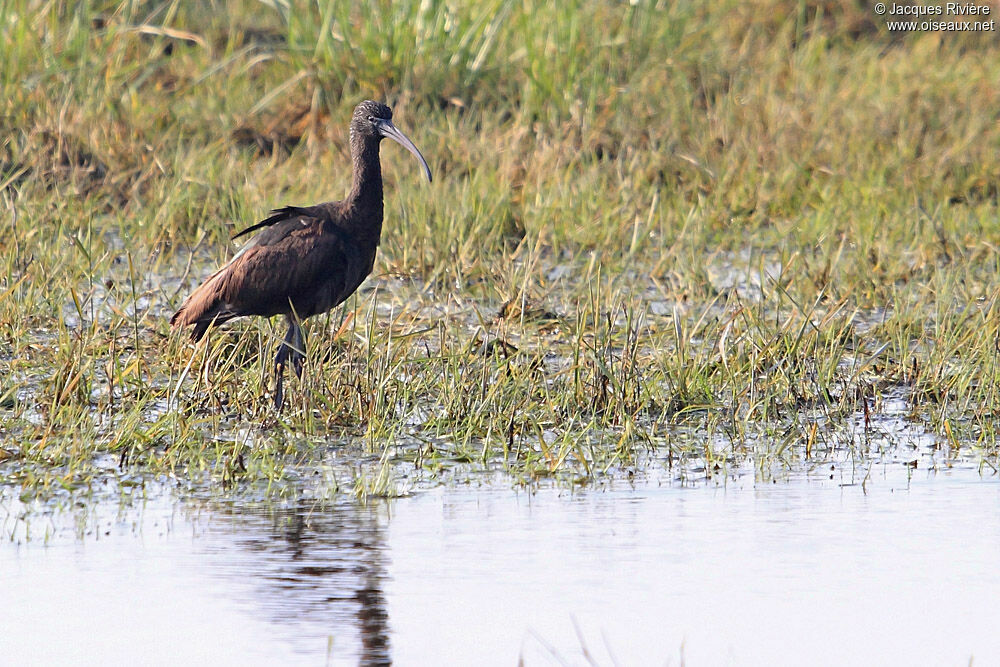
(371, 119)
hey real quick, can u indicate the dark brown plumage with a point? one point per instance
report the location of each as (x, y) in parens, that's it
(305, 260)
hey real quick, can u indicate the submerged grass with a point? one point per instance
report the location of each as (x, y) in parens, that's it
(689, 236)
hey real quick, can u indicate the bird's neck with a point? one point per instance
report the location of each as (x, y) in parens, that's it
(366, 190)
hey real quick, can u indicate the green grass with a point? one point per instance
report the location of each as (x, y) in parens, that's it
(709, 233)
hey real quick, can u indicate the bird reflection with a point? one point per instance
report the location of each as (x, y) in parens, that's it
(311, 566)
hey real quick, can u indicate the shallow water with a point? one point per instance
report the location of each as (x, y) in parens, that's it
(809, 570)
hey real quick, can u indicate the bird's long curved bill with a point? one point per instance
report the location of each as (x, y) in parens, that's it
(389, 130)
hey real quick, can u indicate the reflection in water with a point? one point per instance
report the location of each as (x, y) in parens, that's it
(745, 573)
(312, 566)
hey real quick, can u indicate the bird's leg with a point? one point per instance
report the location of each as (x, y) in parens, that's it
(298, 348)
(279, 363)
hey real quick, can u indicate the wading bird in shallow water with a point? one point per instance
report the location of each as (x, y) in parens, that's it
(305, 260)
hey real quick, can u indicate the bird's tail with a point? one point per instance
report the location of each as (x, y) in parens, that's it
(203, 308)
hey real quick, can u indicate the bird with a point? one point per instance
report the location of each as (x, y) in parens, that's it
(303, 261)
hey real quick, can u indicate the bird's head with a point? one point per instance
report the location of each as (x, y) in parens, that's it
(373, 120)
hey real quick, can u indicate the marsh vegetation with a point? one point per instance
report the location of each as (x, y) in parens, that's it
(671, 237)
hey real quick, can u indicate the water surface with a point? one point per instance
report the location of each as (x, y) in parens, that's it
(810, 570)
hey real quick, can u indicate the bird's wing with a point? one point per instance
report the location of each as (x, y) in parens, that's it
(283, 224)
(293, 261)
(301, 257)
(279, 215)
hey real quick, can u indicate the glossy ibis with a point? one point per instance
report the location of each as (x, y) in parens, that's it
(305, 260)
